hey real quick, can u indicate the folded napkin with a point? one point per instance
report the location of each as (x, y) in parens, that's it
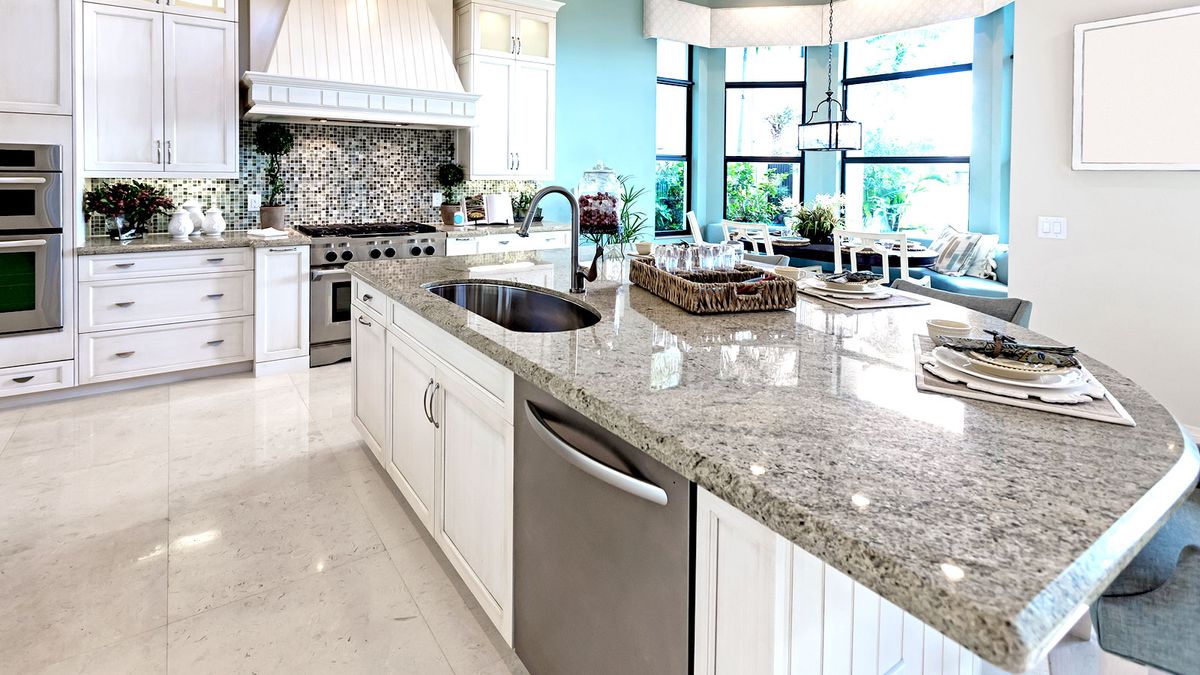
(852, 277)
(266, 233)
(1004, 346)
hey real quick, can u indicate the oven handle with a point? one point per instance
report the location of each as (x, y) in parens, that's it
(23, 243)
(23, 181)
(318, 275)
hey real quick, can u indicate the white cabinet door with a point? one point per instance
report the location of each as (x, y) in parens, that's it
(368, 354)
(491, 144)
(123, 89)
(532, 134)
(215, 9)
(200, 90)
(412, 457)
(475, 514)
(535, 37)
(281, 303)
(495, 31)
(35, 56)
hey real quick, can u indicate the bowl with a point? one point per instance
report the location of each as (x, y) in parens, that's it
(645, 247)
(944, 327)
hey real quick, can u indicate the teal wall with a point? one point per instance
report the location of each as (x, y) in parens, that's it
(606, 106)
(991, 144)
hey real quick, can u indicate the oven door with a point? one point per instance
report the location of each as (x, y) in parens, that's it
(30, 201)
(30, 283)
(329, 315)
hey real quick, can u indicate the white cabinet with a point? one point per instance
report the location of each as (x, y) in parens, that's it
(766, 606)
(506, 54)
(35, 56)
(369, 386)
(281, 309)
(159, 94)
(413, 458)
(213, 9)
(503, 243)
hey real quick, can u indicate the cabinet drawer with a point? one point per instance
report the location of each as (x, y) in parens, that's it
(107, 305)
(38, 377)
(500, 243)
(370, 299)
(549, 240)
(144, 351)
(462, 246)
(166, 263)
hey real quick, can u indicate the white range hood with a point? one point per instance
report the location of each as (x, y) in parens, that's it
(377, 62)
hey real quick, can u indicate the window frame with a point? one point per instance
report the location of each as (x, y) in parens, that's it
(797, 159)
(848, 82)
(690, 86)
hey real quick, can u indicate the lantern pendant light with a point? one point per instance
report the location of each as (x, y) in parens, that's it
(838, 132)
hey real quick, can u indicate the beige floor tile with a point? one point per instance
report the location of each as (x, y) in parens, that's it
(343, 440)
(229, 551)
(356, 618)
(45, 448)
(8, 423)
(61, 599)
(133, 401)
(395, 523)
(227, 385)
(238, 417)
(144, 654)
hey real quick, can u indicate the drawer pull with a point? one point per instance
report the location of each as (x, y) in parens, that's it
(22, 380)
(216, 260)
(216, 296)
(124, 266)
(367, 297)
(124, 304)
(282, 250)
(125, 355)
(215, 343)
(364, 322)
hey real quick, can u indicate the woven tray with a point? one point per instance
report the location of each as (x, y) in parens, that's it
(715, 292)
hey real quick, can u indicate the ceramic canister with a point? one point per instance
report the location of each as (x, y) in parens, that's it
(181, 225)
(214, 223)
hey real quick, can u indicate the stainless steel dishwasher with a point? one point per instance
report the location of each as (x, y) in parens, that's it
(601, 549)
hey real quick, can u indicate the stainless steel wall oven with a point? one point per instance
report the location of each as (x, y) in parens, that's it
(31, 232)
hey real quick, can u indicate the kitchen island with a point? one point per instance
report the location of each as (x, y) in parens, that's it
(992, 524)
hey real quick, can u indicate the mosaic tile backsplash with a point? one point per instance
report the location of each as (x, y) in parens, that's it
(334, 175)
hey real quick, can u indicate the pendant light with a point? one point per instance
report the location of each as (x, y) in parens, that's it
(838, 132)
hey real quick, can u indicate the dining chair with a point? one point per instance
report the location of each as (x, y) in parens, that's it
(759, 237)
(1149, 612)
(694, 228)
(1012, 310)
(854, 242)
(773, 260)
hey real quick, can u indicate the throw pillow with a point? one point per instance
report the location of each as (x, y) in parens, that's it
(957, 253)
(983, 258)
(944, 238)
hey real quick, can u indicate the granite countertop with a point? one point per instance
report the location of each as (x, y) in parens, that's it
(163, 242)
(536, 228)
(991, 523)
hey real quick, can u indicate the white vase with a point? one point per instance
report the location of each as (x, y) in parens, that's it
(214, 223)
(181, 225)
(196, 211)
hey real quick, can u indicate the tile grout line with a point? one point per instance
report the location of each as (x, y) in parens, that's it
(167, 598)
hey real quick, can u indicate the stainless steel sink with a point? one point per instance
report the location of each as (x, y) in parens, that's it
(523, 310)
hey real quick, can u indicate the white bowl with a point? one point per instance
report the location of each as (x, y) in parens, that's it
(947, 328)
(645, 247)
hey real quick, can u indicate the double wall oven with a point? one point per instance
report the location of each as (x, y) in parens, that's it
(31, 236)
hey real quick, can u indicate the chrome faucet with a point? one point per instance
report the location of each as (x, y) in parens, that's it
(578, 276)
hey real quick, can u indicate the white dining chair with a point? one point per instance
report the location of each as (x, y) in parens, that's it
(759, 237)
(694, 228)
(854, 242)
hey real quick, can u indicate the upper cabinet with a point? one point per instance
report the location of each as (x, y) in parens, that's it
(160, 92)
(505, 52)
(213, 9)
(35, 57)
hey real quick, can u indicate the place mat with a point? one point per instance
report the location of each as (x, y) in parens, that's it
(843, 300)
(1107, 409)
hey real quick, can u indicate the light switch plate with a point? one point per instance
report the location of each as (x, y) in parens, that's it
(1052, 227)
(254, 202)
(437, 199)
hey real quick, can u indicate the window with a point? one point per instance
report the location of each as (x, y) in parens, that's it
(913, 93)
(764, 104)
(673, 138)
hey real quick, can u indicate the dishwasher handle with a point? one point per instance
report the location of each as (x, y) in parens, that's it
(637, 488)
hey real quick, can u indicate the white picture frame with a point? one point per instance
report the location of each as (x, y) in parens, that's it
(1137, 93)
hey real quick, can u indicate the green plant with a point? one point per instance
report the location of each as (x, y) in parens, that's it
(450, 176)
(778, 121)
(137, 201)
(751, 199)
(274, 141)
(521, 201)
(670, 191)
(818, 220)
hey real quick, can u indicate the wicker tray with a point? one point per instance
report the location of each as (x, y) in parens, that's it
(715, 292)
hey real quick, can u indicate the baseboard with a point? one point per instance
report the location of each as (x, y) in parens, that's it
(298, 364)
(123, 385)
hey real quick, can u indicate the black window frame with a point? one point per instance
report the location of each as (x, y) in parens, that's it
(797, 159)
(690, 85)
(848, 82)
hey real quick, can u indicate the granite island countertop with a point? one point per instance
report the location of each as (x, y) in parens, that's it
(788, 415)
(151, 243)
(536, 228)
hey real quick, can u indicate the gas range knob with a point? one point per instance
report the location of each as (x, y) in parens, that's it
(347, 255)
(415, 251)
(375, 253)
(389, 253)
(429, 250)
(331, 257)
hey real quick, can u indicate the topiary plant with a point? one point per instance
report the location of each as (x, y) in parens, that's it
(274, 141)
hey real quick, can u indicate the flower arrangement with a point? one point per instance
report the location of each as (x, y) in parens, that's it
(630, 223)
(818, 220)
(135, 203)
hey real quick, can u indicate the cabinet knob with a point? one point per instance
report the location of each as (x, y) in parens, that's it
(215, 343)
(124, 266)
(124, 304)
(125, 355)
(22, 380)
(216, 260)
(215, 296)
(367, 297)
(364, 322)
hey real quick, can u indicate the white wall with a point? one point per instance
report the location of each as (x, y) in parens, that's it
(1121, 223)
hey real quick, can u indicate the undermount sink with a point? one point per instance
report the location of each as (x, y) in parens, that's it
(523, 310)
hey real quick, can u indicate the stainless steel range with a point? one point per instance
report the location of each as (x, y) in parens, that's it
(335, 245)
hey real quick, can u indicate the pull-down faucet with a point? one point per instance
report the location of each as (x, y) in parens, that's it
(578, 276)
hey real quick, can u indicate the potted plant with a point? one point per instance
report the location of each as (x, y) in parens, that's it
(450, 176)
(522, 199)
(131, 206)
(631, 224)
(274, 141)
(817, 221)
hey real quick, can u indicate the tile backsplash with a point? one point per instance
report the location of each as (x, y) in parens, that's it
(334, 174)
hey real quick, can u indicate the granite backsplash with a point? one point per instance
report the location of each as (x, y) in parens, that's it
(335, 174)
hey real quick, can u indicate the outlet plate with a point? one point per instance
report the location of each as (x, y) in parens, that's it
(1050, 227)
(254, 202)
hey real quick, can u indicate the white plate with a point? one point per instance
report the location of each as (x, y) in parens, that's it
(1013, 370)
(856, 289)
(1088, 390)
(952, 359)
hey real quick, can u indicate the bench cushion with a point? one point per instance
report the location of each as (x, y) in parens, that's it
(1156, 563)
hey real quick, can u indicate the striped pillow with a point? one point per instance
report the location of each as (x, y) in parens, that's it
(957, 253)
